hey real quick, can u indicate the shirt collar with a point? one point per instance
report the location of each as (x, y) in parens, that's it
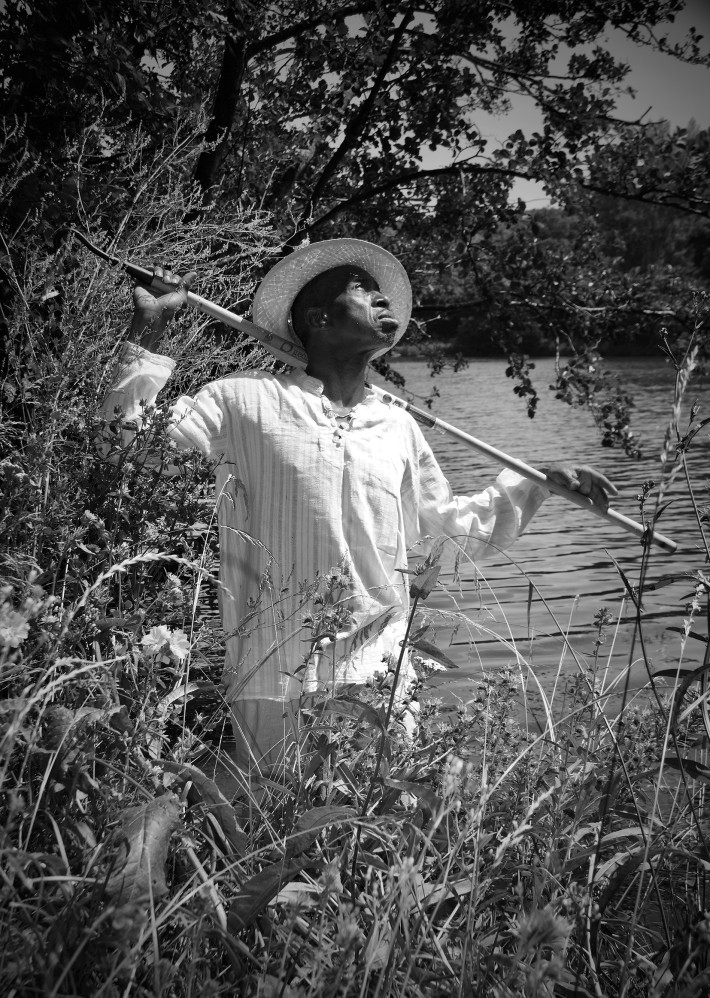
(314, 386)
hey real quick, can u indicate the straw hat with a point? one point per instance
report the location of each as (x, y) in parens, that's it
(276, 294)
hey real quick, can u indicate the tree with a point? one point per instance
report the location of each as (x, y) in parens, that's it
(361, 118)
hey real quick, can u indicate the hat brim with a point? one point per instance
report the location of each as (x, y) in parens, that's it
(276, 294)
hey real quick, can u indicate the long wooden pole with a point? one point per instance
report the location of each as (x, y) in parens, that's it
(584, 502)
(290, 353)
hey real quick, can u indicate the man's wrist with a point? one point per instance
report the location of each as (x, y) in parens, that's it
(146, 329)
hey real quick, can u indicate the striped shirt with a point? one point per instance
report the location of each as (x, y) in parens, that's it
(335, 506)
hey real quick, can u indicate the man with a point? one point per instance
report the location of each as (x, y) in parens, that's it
(333, 485)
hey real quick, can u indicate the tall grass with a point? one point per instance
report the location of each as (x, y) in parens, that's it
(486, 857)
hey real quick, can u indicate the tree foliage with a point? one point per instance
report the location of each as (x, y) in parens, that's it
(363, 118)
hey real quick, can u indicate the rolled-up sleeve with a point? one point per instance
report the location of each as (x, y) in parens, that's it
(194, 423)
(477, 526)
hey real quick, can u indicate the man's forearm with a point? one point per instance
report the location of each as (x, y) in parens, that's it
(146, 330)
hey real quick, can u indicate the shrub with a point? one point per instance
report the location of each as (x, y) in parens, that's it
(479, 859)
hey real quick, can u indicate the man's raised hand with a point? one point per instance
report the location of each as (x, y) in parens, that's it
(153, 308)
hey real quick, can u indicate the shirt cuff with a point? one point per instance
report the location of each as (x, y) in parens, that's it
(157, 363)
(528, 495)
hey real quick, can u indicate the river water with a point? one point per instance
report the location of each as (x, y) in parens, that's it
(566, 554)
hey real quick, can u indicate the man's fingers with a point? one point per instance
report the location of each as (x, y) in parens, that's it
(591, 478)
(596, 486)
(166, 293)
(606, 484)
(599, 497)
(565, 477)
(174, 281)
(585, 480)
(170, 278)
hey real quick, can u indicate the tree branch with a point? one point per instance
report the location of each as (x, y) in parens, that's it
(356, 126)
(224, 110)
(235, 58)
(410, 176)
(271, 41)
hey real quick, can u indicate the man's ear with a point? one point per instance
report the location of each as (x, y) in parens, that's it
(316, 318)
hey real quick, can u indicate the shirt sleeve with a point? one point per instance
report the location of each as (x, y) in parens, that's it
(193, 423)
(477, 526)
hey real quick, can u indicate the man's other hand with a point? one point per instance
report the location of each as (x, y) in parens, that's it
(153, 309)
(583, 479)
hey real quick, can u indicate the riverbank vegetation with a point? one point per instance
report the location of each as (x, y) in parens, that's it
(560, 852)
(370, 119)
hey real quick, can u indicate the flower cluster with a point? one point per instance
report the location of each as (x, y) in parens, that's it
(162, 638)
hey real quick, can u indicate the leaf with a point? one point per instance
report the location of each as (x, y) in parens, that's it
(666, 580)
(691, 634)
(427, 648)
(348, 777)
(429, 894)
(419, 633)
(378, 946)
(426, 795)
(205, 791)
(682, 689)
(147, 829)
(351, 708)
(256, 893)
(198, 686)
(422, 585)
(311, 824)
(298, 893)
(617, 883)
(661, 510)
(631, 590)
(694, 769)
(672, 672)
(314, 763)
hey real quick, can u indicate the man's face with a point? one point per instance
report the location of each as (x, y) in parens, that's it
(358, 311)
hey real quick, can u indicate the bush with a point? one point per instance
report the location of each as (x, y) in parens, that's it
(478, 860)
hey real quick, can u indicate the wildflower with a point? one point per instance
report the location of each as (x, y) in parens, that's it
(406, 870)
(348, 936)
(14, 628)
(158, 637)
(453, 771)
(174, 596)
(330, 879)
(340, 577)
(429, 666)
(543, 928)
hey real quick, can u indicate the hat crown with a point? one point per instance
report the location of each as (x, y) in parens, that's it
(276, 293)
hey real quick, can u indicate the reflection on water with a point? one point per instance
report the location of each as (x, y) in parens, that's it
(561, 572)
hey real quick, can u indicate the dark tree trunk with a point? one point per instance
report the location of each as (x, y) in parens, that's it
(224, 111)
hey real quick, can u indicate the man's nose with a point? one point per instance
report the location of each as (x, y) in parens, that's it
(380, 299)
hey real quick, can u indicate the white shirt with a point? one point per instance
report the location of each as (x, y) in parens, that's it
(318, 498)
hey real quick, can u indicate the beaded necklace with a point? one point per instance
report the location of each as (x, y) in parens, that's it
(342, 420)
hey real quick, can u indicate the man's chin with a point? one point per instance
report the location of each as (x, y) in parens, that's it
(389, 332)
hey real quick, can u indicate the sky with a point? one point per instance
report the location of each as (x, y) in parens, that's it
(666, 89)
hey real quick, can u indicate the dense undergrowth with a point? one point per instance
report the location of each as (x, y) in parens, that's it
(481, 859)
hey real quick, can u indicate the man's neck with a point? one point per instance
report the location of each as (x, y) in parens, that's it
(343, 382)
